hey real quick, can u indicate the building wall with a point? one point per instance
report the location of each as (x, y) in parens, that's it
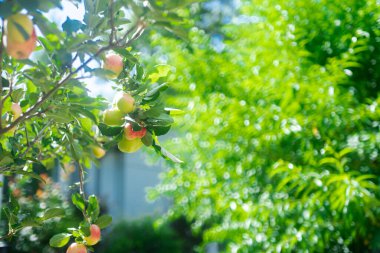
(121, 181)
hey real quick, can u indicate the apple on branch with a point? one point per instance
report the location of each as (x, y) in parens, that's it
(20, 37)
(114, 63)
(16, 110)
(76, 248)
(94, 237)
(113, 117)
(130, 134)
(126, 103)
(129, 146)
(18, 28)
(98, 151)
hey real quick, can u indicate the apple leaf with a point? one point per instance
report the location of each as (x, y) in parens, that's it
(104, 221)
(59, 240)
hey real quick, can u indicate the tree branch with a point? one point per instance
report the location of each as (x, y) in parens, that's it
(140, 29)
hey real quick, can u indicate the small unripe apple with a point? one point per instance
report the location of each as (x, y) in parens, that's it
(98, 152)
(76, 248)
(130, 134)
(129, 146)
(126, 103)
(113, 117)
(18, 28)
(94, 237)
(21, 50)
(16, 110)
(114, 63)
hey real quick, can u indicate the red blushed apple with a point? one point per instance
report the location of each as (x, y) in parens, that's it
(113, 117)
(18, 28)
(129, 146)
(76, 248)
(126, 103)
(21, 50)
(98, 152)
(16, 110)
(114, 63)
(94, 237)
(130, 134)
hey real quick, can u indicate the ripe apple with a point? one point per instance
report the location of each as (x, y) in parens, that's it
(126, 103)
(16, 110)
(21, 50)
(98, 152)
(76, 248)
(129, 146)
(113, 117)
(18, 28)
(130, 134)
(114, 63)
(94, 237)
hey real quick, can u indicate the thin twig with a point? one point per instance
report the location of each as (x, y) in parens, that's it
(37, 138)
(112, 23)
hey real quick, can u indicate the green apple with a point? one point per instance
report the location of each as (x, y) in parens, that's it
(126, 103)
(98, 152)
(18, 28)
(76, 248)
(94, 237)
(114, 63)
(129, 146)
(113, 117)
(21, 50)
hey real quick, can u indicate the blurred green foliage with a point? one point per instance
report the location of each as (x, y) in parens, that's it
(141, 236)
(281, 136)
(35, 198)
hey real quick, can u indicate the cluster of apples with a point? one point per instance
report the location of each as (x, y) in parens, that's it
(131, 141)
(125, 104)
(91, 240)
(20, 36)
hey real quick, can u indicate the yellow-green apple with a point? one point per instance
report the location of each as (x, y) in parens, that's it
(18, 28)
(76, 248)
(130, 134)
(94, 237)
(114, 63)
(21, 50)
(16, 110)
(113, 117)
(129, 146)
(98, 151)
(126, 103)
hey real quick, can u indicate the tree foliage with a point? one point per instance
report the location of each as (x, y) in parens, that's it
(281, 133)
(48, 117)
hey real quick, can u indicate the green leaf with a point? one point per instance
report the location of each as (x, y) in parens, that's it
(71, 25)
(147, 139)
(93, 207)
(59, 240)
(78, 201)
(84, 228)
(30, 222)
(155, 92)
(166, 154)
(104, 221)
(108, 130)
(53, 213)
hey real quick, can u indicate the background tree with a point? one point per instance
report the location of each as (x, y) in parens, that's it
(281, 134)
